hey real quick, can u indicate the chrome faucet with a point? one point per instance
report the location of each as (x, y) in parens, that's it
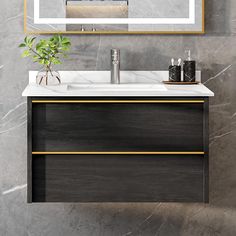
(115, 66)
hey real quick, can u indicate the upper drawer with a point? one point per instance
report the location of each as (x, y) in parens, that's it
(121, 127)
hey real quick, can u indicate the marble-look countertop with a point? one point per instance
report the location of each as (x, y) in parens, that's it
(97, 83)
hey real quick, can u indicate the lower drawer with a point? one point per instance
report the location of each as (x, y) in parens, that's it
(117, 178)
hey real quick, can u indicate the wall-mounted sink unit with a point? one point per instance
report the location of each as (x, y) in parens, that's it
(133, 142)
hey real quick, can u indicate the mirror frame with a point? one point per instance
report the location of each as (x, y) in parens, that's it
(116, 32)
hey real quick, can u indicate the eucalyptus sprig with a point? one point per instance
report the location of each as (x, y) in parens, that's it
(46, 52)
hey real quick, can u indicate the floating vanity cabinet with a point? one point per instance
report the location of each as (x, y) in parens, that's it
(133, 149)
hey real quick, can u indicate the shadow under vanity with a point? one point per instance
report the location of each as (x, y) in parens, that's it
(118, 148)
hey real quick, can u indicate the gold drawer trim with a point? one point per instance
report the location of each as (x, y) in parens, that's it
(117, 101)
(118, 153)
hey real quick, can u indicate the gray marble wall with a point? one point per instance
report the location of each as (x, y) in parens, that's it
(216, 56)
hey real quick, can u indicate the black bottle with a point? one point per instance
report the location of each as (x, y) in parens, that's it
(189, 69)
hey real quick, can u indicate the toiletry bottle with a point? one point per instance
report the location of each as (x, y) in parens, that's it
(175, 71)
(189, 69)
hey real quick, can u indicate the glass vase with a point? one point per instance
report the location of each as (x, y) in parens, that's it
(48, 77)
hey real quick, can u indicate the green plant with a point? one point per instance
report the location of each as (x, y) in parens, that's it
(46, 52)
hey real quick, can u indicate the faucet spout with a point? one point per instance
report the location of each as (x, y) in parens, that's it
(115, 66)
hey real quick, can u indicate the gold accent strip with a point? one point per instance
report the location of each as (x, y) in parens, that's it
(117, 101)
(203, 16)
(116, 32)
(118, 153)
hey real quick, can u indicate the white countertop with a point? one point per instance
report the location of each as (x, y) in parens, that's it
(97, 83)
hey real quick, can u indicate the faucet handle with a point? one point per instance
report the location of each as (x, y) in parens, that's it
(115, 54)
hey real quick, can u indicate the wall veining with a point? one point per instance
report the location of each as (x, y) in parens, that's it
(215, 53)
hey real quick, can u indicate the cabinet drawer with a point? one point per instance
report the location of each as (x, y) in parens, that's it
(117, 178)
(89, 127)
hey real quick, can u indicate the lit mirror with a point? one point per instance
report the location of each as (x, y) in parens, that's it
(114, 16)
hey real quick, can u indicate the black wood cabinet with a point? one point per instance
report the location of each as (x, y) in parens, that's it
(117, 149)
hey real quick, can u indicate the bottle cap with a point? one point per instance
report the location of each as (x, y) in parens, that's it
(189, 55)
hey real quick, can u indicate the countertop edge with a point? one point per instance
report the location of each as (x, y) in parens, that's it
(207, 93)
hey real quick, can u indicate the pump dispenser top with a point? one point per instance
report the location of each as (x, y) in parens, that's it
(189, 55)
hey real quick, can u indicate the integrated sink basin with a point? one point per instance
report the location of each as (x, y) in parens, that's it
(117, 87)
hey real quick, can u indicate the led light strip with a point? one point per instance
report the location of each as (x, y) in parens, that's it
(96, 21)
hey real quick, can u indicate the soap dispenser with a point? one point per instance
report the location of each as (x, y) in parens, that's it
(189, 68)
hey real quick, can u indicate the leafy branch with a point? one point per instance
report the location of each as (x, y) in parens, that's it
(46, 52)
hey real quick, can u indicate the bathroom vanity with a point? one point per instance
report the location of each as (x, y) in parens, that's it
(140, 141)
